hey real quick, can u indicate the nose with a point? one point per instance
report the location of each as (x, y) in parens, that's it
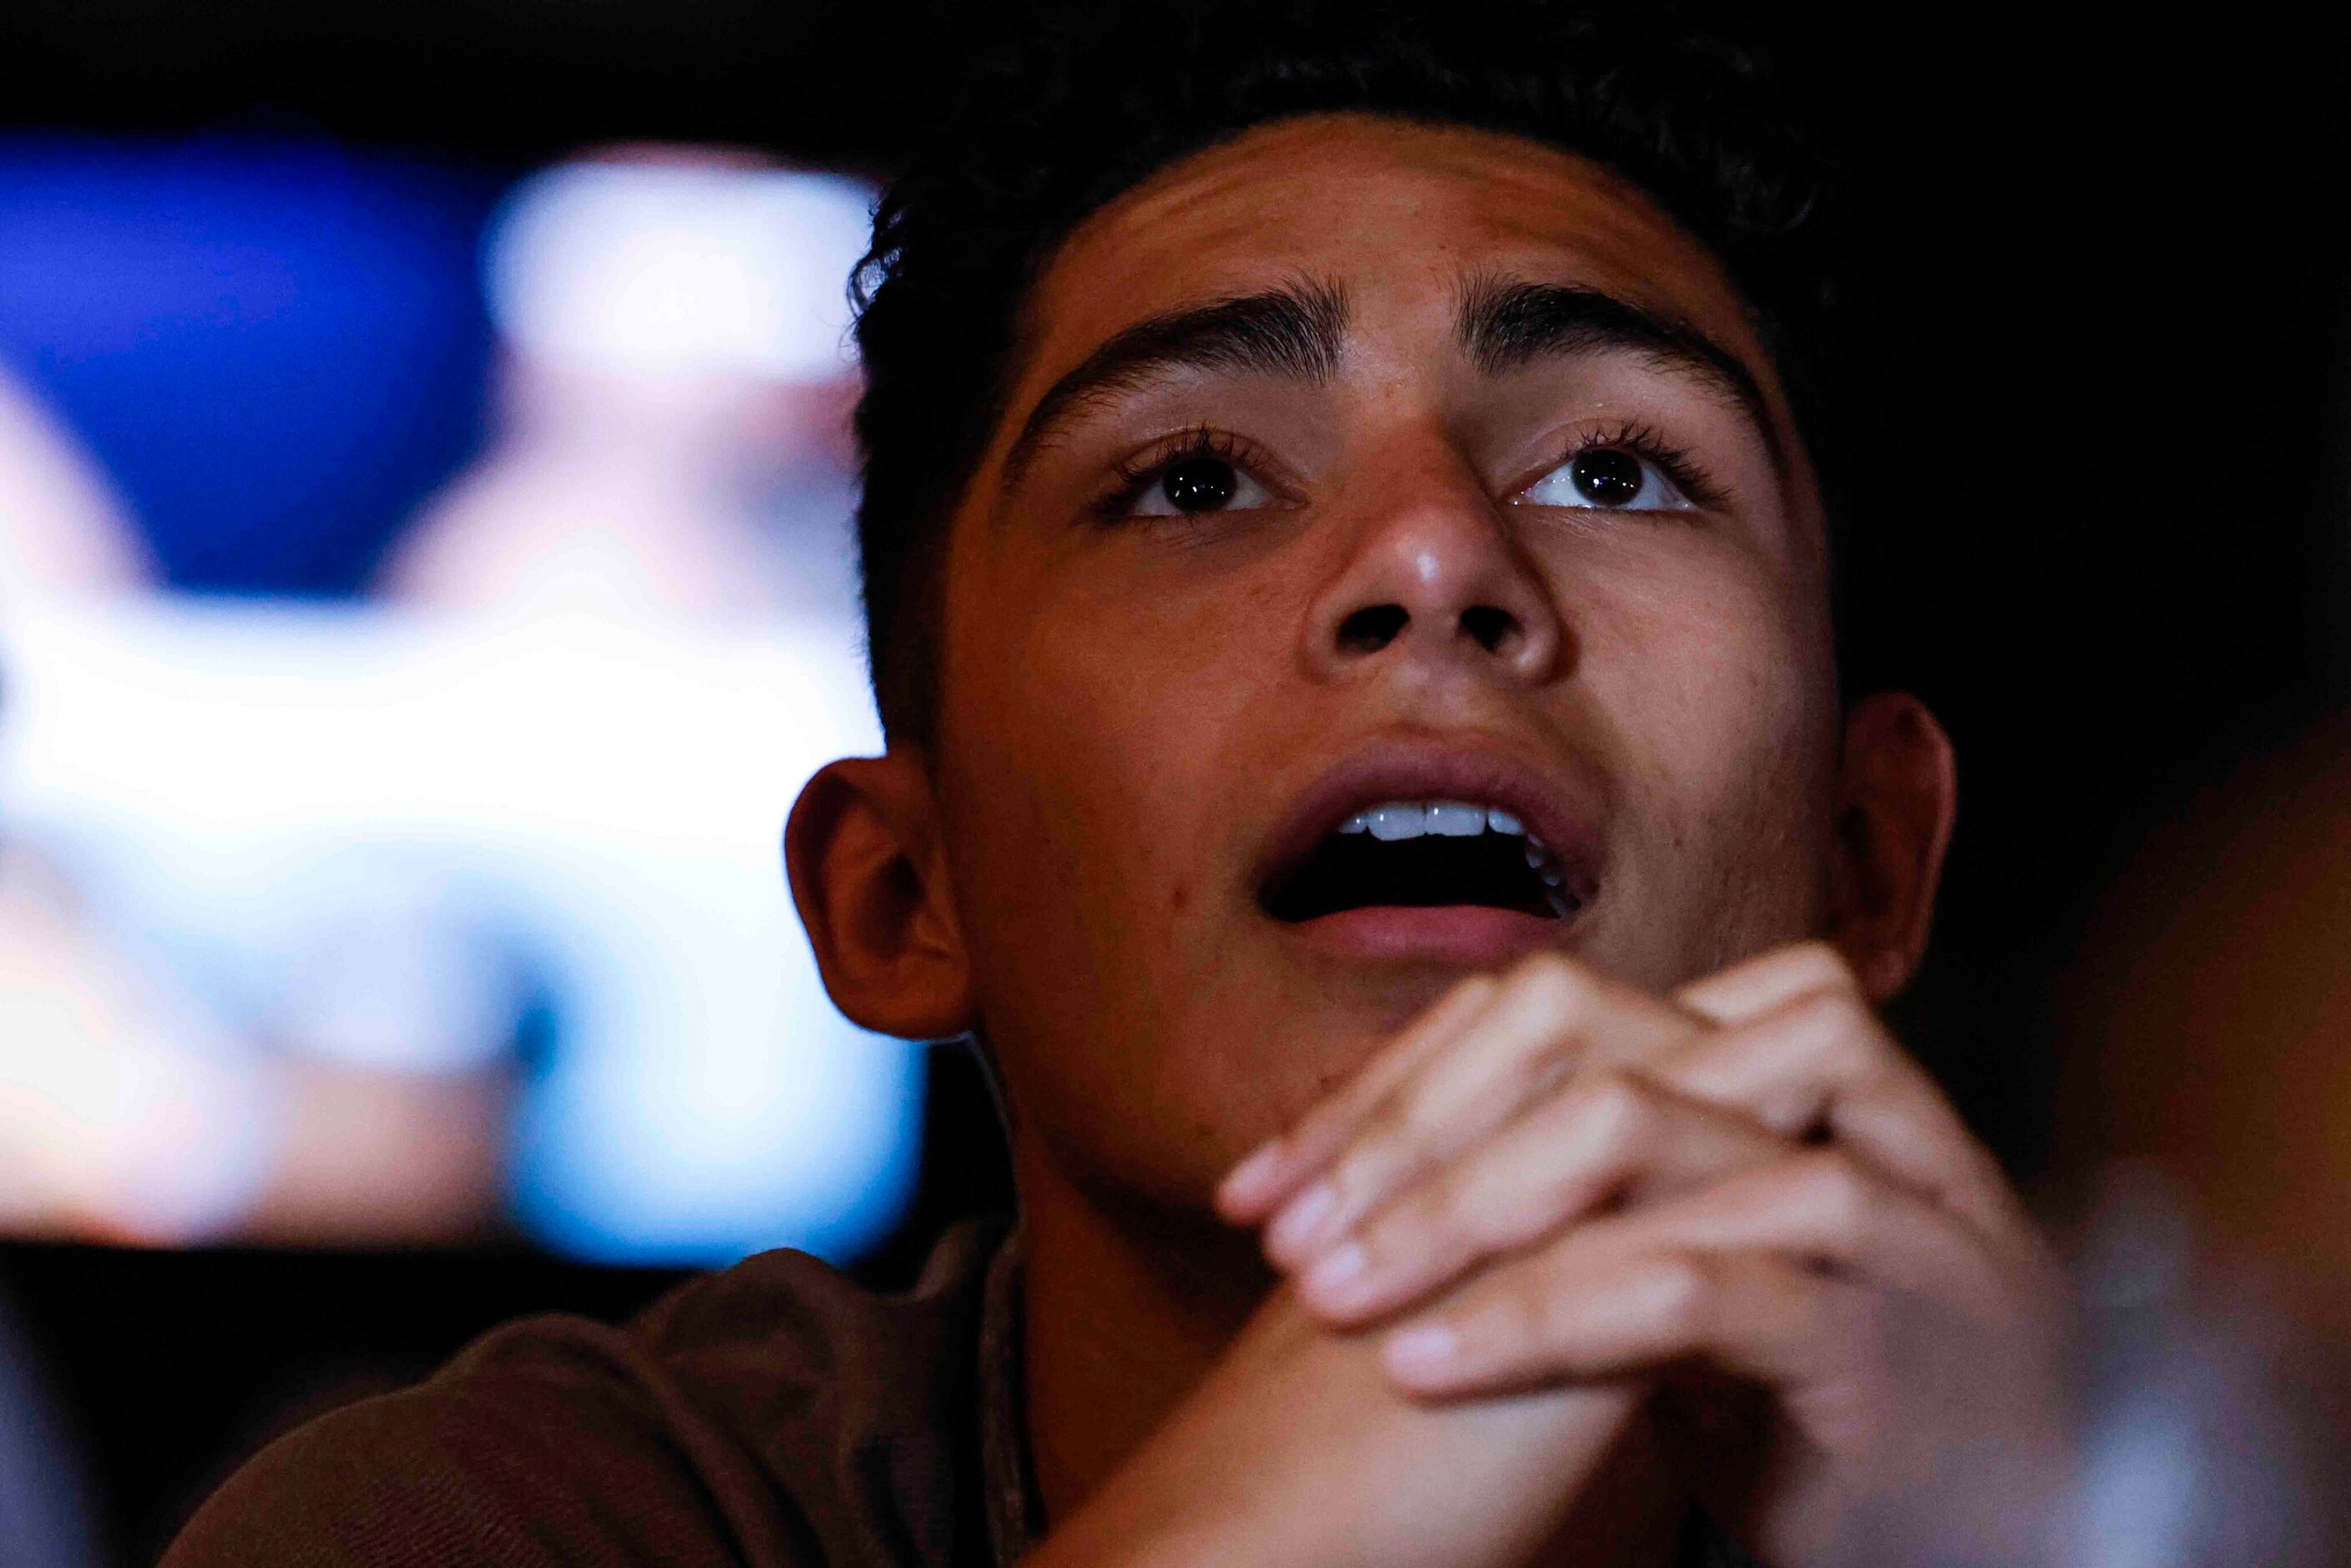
(1437, 579)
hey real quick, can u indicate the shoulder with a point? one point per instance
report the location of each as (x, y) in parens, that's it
(771, 1415)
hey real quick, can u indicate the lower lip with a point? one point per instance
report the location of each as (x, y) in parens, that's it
(1471, 936)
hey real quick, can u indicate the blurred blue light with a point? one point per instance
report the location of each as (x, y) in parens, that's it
(378, 838)
(276, 348)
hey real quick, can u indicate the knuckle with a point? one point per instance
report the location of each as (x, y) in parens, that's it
(1684, 1290)
(1524, 1315)
(1555, 983)
(1835, 1189)
(1469, 988)
(1395, 1112)
(1373, 1181)
(1380, 1147)
(1330, 1125)
(1481, 1205)
(1833, 1014)
(1454, 1204)
(1381, 1126)
(1405, 1229)
(1823, 965)
(1618, 1109)
(1484, 1230)
(1538, 1071)
(1843, 1032)
(1506, 1221)
(1411, 1119)
(1461, 1002)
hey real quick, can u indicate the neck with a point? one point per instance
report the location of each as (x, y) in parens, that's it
(1125, 1308)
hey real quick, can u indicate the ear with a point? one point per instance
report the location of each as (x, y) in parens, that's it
(1897, 793)
(870, 877)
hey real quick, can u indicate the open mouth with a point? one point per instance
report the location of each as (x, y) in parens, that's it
(1422, 854)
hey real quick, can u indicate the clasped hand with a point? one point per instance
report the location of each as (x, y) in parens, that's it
(1555, 1178)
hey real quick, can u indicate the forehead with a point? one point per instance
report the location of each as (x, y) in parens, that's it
(1398, 213)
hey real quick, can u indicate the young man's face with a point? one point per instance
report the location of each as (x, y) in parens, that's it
(1378, 574)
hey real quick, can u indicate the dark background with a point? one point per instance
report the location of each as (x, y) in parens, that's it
(2101, 406)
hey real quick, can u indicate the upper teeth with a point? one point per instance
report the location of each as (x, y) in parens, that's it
(1447, 818)
(1461, 820)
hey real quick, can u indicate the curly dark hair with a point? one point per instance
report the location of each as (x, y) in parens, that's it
(1089, 103)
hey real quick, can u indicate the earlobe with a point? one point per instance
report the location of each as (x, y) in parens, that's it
(870, 879)
(1897, 793)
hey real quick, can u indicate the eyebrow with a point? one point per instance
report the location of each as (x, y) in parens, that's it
(1295, 331)
(1505, 324)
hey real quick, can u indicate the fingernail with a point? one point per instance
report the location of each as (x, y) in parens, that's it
(1335, 1271)
(1249, 1181)
(1423, 1352)
(1294, 1229)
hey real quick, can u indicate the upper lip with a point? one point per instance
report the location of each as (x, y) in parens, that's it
(1476, 770)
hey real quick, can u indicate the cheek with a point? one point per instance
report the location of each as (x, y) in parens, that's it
(1707, 663)
(1098, 753)
(1090, 747)
(1719, 700)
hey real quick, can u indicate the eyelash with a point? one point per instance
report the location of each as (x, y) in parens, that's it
(1647, 443)
(1136, 474)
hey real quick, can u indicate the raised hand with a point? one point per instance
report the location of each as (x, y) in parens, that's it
(1557, 1179)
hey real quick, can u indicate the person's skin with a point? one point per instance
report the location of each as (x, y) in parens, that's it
(1144, 716)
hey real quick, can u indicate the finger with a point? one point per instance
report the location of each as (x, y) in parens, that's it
(1805, 1335)
(1551, 1016)
(1609, 1136)
(1830, 1209)
(1821, 1213)
(1820, 1064)
(1272, 1172)
(1759, 985)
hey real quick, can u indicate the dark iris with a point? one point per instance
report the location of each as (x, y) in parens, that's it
(1199, 484)
(1607, 478)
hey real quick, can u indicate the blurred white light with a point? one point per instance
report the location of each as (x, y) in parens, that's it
(664, 268)
(121, 1106)
(248, 778)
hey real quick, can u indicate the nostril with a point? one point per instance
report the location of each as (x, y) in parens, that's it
(1372, 628)
(1493, 628)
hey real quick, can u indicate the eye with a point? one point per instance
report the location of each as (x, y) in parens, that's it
(1197, 484)
(1610, 479)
